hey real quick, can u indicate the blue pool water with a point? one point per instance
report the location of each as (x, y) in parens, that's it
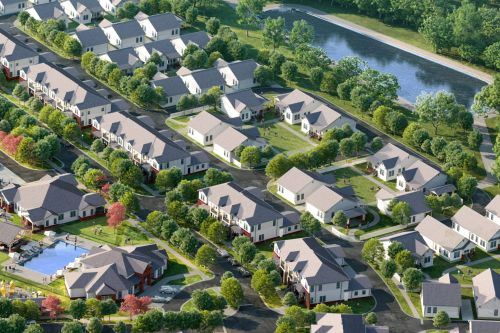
(54, 258)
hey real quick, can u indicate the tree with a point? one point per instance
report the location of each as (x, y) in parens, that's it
(347, 147)
(31, 310)
(376, 144)
(120, 327)
(94, 325)
(394, 248)
(168, 179)
(217, 232)
(33, 328)
(289, 70)
(97, 146)
(23, 17)
(246, 252)
(441, 319)
(309, 224)
(274, 31)
(108, 307)
(371, 318)
(151, 321)
(93, 178)
(215, 176)
(437, 30)
(116, 215)
(372, 251)
(20, 93)
(232, 291)
(52, 305)
(263, 75)
(205, 256)
(250, 156)
(316, 75)
(290, 299)
(72, 131)
(134, 305)
(77, 309)
(474, 139)
(278, 166)
(94, 308)
(72, 47)
(491, 57)
(401, 212)
(130, 201)
(396, 122)
(184, 239)
(360, 140)
(262, 283)
(404, 259)
(302, 33)
(212, 25)
(248, 12)
(412, 278)
(72, 327)
(466, 186)
(388, 268)
(340, 219)
(437, 109)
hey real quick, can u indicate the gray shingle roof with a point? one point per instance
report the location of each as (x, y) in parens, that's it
(411, 240)
(326, 197)
(230, 139)
(125, 58)
(494, 205)
(164, 21)
(127, 29)
(484, 326)
(92, 5)
(173, 86)
(242, 69)
(295, 100)
(208, 78)
(103, 281)
(476, 223)
(246, 99)
(322, 117)
(205, 121)
(389, 155)
(50, 10)
(296, 179)
(441, 294)
(200, 38)
(419, 173)
(440, 234)
(162, 47)
(415, 199)
(9, 233)
(91, 37)
(486, 286)
(13, 49)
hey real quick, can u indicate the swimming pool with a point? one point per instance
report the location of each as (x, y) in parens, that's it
(54, 258)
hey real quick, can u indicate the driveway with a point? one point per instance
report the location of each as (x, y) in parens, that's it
(251, 319)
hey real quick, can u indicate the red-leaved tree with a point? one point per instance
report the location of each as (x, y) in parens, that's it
(105, 188)
(52, 305)
(11, 142)
(135, 305)
(116, 215)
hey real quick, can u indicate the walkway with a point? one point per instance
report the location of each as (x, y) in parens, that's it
(486, 150)
(297, 134)
(342, 164)
(384, 231)
(400, 286)
(466, 310)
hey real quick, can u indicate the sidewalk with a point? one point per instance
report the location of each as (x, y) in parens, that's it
(400, 286)
(486, 150)
(299, 135)
(336, 166)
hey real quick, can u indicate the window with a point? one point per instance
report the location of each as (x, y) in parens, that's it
(259, 226)
(482, 243)
(456, 254)
(302, 196)
(493, 244)
(429, 309)
(73, 213)
(427, 260)
(289, 228)
(363, 292)
(47, 223)
(320, 287)
(311, 288)
(261, 238)
(434, 309)
(338, 285)
(391, 173)
(356, 293)
(61, 216)
(298, 197)
(274, 223)
(495, 313)
(322, 299)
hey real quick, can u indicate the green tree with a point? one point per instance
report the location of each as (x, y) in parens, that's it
(388, 268)
(278, 166)
(232, 291)
(97, 146)
(184, 239)
(72, 47)
(77, 309)
(168, 179)
(441, 319)
(215, 176)
(404, 259)
(316, 75)
(72, 327)
(474, 139)
(149, 322)
(302, 33)
(130, 201)
(120, 327)
(274, 31)
(246, 252)
(412, 278)
(23, 17)
(290, 299)
(376, 144)
(262, 283)
(401, 212)
(33, 328)
(491, 57)
(205, 256)
(289, 70)
(371, 318)
(309, 224)
(94, 325)
(21, 93)
(340, 219)
(466, 186)
(380, 115)
(347, 147)
(373, 251)
(217, 232)
(396, 122)
(437, 109)
(94, 308)
(108, 307)
(212, 25)
(437, 30)
(263, 75)
(394, 248)
(248, 12)
(250, 156)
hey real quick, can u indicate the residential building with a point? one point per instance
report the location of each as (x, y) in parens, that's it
(10, 236)
(228, 140)
(123, 34)
(344, 323)
(243, 104)
(484, 326)
(126, 59)
(51, 201)
(322, 119)
(146, 146)
(198, 38)
(413, 242)
(441, 296)
(316, 273)
(111, 6)
(444, 241)
(47, 11)
(82, 11)
(477, 228)
(420, 176)
(326, 201)
(415, 199)
(91, 39)
(9, 7)
(173, 87)
(160, 26)
(297, 185)
(486, 292)
(15, 55)
(245, 212)
(200, 81)
(390, 161)
(294, 106)
(60, 89)
(37, 2)
(206, 126)
(115, 272)
(163, 48)
(239, 74)
(493, 209)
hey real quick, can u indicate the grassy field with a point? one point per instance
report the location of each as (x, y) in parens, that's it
(415, 299)
(86, 229)
(3, 257)
(492, 123)
(175, 266)
(361, 305)
(190, 279)
(282, 139)
(492, 190)
(440, 264)
(467, 273)
(363, 187)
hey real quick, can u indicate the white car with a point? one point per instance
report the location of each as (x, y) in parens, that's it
(223, 253)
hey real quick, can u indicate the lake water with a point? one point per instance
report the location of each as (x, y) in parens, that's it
(415, 74)
(54, 258)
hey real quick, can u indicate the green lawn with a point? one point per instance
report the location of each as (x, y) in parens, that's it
(189, 305)
(3, 257)
(467, 273)
(493, 123)
(415, 299)
(385, 222)
(190, 279)
(282, 139)
(361, 305)
(86, 229)
(363, 187)
(273, 301)
(175, 266)
(398, 296)
(492, 190)
(183, 119)
(174, 125)
(441, 264)
(16, 219)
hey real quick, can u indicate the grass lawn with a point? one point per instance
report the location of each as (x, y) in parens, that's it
(467, 273)
(363, 187)
(385, 222)
(174, 125)
(282, 139)
(361, 305)
(189, 305)
(398, 296)
(273, 301)
(492, 124)
(266, 247)
(492, 190)
(16, 219)
(3, 257)
(108, 235)
(186, 280)
(183, 119)
(175, 266)
(415, 299)
(440, 264)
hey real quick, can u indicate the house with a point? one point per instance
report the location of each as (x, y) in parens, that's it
(296, 105)
(198, 38)
(243, 104)
(173, 87)
(297, 185)
(484, 326)
(51, 201)
(479, 229)
(322, 119)
(486, 292)
(239, 74)
(315, 273)
(91, 39)
(441, 296)
(15, 55)
(111, 6)
(325, 201)
(160, 26)
(60, 89)
(37, 2)
(151, 149)
(47, 11)
(123, 34)
(82, 11)
(125, 58)
(245, 212)
(493, 209)
(10, 236)
(413, 242)
(200, 81)
(9, 7)
(205, 126)
(344, 323)
(390, 161)
(415, 199)
(420, 176)
(115, 272)
(163, 48)
(444, 241)
(229, 139)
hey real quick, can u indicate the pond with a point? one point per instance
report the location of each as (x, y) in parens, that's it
(415, 74)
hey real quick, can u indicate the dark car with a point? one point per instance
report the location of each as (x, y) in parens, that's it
(243, 272)
(233, 261)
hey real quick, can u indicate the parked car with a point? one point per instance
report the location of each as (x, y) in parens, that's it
(243, 272)
(223, 253)
(167, 290)
(233, 261)
(159, 299)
